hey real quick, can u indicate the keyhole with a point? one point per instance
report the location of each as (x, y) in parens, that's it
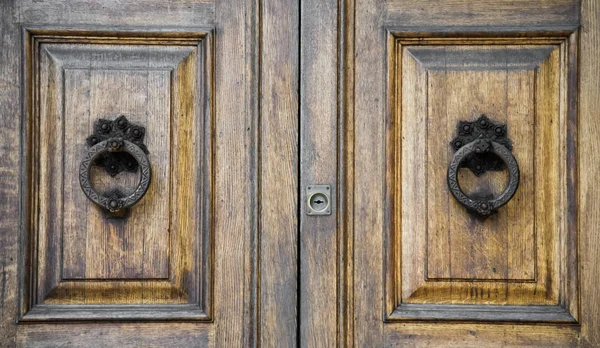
(319, 202)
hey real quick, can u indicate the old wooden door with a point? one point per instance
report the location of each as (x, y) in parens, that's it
(423, 94)
(284, 173)
(104, 104)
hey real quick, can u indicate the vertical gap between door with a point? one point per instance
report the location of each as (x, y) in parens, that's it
(299, 186)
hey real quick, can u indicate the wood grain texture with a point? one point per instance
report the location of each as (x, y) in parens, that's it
(513, 256)
(278, 205)
(346, 174)
(478, 313)
(318, 165)
(116, 335)
(144, 96)
(588, 147)
(111, 312)
(189, 13)
(234, 64)
(485, 15)
(158, 254)
(480, 335)
(371, 121)
(10, 171)
(249, 271)
(236, 259)
(470, 58)
(543, 87)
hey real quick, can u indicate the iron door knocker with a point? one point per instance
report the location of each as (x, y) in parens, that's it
(482, 145)
(117, 146)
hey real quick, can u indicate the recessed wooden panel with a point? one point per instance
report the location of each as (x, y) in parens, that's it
(124, 249)
(463, 82)
(444, 255)
(84, 264)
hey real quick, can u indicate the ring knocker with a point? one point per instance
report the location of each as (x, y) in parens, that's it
(117, 146)
(482, 145)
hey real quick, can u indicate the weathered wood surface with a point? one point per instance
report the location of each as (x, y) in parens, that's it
(10, 171)
(277, 207)
(589, 195)
(316, 76)
(484, 15)
(242, 148)
(454, 253)
(318, 288)
(450, 255)
(81, 256)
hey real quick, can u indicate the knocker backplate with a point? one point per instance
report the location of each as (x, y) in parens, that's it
(117, 162)
(482, 128)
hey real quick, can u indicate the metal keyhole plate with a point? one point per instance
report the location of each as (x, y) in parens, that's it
(319, 201)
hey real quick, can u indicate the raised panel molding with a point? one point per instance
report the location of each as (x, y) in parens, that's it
(474, 58)
(443, 263)
(157, 263)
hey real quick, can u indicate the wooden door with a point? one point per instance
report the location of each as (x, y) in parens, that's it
(181, 86)
(222, 249)
(414, 267)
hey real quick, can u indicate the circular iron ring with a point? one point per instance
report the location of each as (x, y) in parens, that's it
(114, 204)
(483, 206)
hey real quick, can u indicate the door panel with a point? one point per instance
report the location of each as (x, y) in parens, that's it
(160, 254)
(421, 264)
(442, 254)
(192, 263)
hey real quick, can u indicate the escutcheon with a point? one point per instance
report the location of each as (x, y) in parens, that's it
(318, 200)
